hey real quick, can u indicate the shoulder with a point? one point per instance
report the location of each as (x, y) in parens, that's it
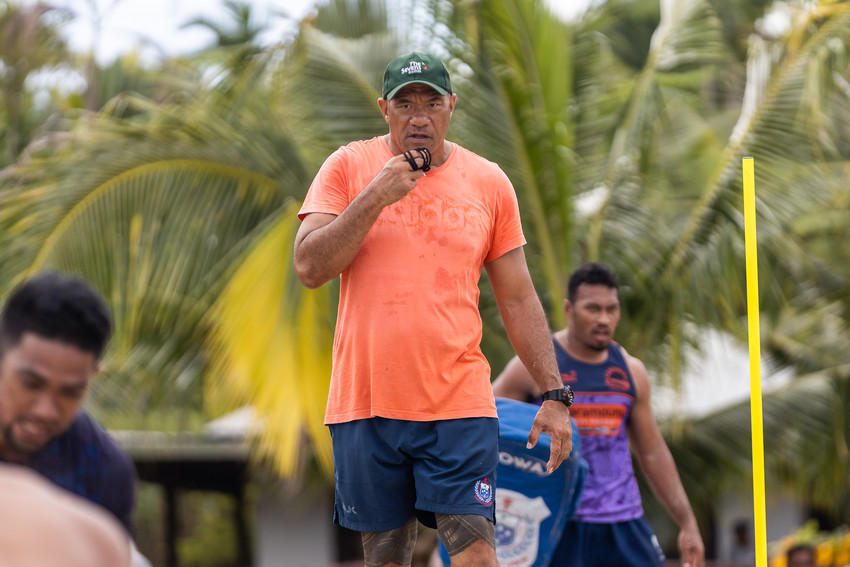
(86, 430)
(354, 155)
(362, 147)
(480, 165)
(638, 371)
(632, 361)
(85, 427)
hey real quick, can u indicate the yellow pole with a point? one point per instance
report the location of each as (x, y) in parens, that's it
(755, 362)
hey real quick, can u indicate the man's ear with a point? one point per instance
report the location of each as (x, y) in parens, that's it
(384, 105)
(568, 308)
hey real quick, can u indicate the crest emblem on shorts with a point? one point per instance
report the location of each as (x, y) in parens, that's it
(484, 491)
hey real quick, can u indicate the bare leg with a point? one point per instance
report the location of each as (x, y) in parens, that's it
(470, 539)
(393, 547)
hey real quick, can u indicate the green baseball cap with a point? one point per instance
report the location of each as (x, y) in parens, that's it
(416, 67)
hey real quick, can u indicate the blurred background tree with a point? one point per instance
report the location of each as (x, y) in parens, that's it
(30, 42)
(175, 193)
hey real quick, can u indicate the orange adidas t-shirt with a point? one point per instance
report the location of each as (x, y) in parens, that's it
(408, 329)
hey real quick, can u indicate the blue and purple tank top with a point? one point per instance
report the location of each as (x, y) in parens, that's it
(604, 394)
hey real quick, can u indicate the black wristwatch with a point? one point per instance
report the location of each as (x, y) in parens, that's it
(564, 394)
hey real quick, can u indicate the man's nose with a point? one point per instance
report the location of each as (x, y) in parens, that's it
(45, 407)
(419, 116)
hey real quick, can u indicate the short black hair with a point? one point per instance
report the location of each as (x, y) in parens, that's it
(592, 273)
(56, 307)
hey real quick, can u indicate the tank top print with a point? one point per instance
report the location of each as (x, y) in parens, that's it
(604, 394)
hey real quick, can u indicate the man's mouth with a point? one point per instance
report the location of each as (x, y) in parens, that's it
(32, 433)
(418, 138)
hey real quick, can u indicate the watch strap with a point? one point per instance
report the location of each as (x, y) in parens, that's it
(564, 395)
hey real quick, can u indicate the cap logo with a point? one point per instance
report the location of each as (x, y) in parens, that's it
(414, 67)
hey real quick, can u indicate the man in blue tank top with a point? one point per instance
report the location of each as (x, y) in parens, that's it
(611, 409)
(53, 330)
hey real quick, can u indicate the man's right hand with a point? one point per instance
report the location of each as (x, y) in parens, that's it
(396, 179)
(553, 418)
(326, 244)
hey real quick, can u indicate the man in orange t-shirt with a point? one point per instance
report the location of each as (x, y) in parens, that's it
(407, 221)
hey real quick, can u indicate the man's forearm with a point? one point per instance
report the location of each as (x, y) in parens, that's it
(663, 478)
(528, 332)
(326, 252)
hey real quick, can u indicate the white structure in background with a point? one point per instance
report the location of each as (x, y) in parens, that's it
(718, 378)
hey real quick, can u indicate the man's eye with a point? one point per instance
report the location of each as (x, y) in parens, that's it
(73, 394)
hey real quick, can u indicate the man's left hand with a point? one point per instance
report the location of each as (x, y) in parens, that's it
(691, 547)
(553, 418)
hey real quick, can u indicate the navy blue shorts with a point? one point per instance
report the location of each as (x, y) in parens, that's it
(619, 544)
(389, 470)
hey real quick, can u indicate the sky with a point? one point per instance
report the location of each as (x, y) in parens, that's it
(110, 28)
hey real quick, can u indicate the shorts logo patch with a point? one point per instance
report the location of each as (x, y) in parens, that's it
(484, 492)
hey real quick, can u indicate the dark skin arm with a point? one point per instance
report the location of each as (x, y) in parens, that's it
(528, 333)
(658, 467)
(516, 383)
(326, 244)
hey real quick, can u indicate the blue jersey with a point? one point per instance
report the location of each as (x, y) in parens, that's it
(85, 460)
(604, 394)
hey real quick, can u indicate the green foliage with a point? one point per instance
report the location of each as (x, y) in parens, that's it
(629, 26)
(623, 138)
(208, 538)
(243, 31)
(206, 532)
(149, 526)
(155, 204)
(29, 42)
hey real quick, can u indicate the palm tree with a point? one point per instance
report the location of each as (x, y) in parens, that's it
(244, 30)
(28, 43)
(159, 205)
(181, 211)
(795, 94)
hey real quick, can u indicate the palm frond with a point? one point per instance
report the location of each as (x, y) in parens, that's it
(159, 241)
(336, 82)
(271, 340)
(715, 451)
(688, 36)
(772, 129)
(513, 108)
